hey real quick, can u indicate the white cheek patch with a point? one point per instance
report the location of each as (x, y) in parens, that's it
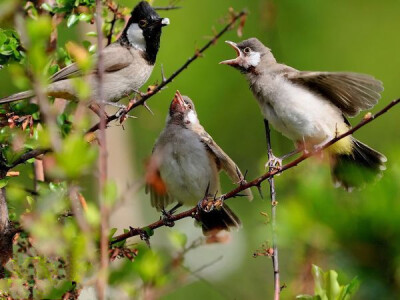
(135, 37)
(192, 117)
(254, 59)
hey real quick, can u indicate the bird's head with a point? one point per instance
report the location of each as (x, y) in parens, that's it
(182, 111)
(249, 55)
(143, 30)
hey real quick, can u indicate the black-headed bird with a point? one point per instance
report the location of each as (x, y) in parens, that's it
(128, 62)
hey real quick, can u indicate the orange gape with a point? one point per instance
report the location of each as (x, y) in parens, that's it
(153, 179)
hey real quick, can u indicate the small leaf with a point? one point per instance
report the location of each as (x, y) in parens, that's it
(3, 182)
(112, 232)
(72, 20)
(47, 7)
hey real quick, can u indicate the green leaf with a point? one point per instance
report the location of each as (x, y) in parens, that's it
(72, 20)
(332, 285)
(85, 17)
(112, 232)
(3, 182)
(47, 7)
(319, 281)
(178, 239)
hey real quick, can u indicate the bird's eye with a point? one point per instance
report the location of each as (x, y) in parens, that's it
(142, 23)
(247, 50)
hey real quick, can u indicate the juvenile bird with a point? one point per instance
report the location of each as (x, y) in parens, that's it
(184, 166)
(128, 62)
(310, 108)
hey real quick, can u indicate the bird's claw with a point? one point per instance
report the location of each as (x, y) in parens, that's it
(167, 217)
(274, 162)
(215, 203)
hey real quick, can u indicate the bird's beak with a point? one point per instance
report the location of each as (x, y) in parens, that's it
(235, 61)
(177, 103)
(161, 22)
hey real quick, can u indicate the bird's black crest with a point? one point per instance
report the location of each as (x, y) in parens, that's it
(143, 11)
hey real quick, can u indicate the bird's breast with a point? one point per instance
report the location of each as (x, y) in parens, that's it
(187, 169)
(294, 110)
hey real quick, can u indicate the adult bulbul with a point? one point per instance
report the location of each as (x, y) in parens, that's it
(310, 108)
(184, 166)
(128, 62)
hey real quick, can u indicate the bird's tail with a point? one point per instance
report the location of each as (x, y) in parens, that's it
(17, 96)
(354, 169)
(219, 219)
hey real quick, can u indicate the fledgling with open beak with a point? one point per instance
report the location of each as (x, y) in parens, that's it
(310, 108)
(128, 62)
(184, 166)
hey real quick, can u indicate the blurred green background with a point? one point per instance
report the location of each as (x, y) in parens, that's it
(358, 233)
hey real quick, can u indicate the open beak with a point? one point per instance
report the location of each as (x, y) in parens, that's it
(235, 61)
(177, 103)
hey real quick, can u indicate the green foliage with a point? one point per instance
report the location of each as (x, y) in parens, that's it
(10, 50)
(327, 287)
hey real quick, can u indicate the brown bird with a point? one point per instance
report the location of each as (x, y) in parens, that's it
(184, 166)
(128, 62)
(310, 108)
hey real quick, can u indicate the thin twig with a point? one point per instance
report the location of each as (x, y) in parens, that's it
(196, 55)
(113, 21)
(257, 181)
(101, 283)
(27, 156)
(169, 7)
(271, 181)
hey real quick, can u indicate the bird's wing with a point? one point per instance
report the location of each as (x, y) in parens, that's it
(350, 92)
(155, 185)
(223, 160)
(115, 58)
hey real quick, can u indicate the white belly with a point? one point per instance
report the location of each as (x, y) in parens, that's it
(186, 169)
(295, 112)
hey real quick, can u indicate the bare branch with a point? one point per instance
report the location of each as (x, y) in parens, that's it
(176, 73)
(271, 181)
(169, 7)
(27, 156)
(257, 181)
(101, 283)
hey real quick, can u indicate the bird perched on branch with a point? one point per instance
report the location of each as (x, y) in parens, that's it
(185, 164)
(128, 62)
(310, 108)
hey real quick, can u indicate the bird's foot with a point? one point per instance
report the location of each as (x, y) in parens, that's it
(208, 205)
(274, 162)
(122, 113)
(168, 214)
(166, 217)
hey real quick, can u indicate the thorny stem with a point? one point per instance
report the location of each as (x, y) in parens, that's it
(257, 181)
(271, 181)
(101, 283)
(159, 87)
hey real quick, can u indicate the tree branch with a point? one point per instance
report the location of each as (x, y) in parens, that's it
(101, 282)
(27, 156)
(274, 203)
(169, 7)
(257, 181)
(175, 74)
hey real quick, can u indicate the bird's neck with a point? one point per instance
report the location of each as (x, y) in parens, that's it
(148, 45)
